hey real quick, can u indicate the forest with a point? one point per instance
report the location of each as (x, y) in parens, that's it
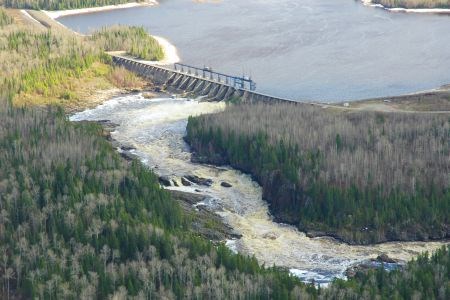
(60, 5)
(362, 177)
(78, 221)
(414, 3)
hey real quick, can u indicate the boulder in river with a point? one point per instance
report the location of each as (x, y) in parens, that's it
(270, 236)
(127, 148)
(225, 184)
(386, 259)
(165, 181)
(199, 180)
(185, 182)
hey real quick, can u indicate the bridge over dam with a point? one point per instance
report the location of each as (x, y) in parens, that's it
(197, 82)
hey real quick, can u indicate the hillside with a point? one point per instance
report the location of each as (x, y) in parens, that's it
(360, 176)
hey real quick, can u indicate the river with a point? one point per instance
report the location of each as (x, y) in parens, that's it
(155, 127)
(322, 50)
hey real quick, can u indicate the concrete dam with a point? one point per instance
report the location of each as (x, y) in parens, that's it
(211, 88)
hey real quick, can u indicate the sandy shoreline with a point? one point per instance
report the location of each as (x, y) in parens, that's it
(408, 10)
(170, 51)
(62, 13)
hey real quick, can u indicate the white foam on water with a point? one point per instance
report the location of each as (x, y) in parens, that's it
(231, 244)
(156, 128)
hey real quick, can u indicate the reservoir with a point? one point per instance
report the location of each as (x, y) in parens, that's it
(321, 50)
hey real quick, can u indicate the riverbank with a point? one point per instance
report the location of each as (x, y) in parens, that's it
(204, 222)
(407, 10)
(69, 12)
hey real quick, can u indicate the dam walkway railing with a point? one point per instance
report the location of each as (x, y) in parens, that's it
(244, 82)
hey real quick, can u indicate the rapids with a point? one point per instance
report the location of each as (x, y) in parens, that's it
(155, 128)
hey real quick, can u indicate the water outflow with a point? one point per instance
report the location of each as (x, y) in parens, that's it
(156, 128)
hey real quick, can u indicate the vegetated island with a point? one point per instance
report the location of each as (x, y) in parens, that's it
(362, 177)
(78, 221)
(413, 4)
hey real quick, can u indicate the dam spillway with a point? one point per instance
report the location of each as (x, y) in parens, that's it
(193, 84)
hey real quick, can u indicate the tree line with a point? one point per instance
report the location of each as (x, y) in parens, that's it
(363, 177)
(60, 5)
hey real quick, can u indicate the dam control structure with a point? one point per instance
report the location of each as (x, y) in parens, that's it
(197, 82)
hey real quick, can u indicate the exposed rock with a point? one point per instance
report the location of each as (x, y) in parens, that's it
(175, 183)
(314, 233)
(205, 222)
(386, 259)
(107, 124)
(199, 180)
(225, 184)
(360, 268)
(127, 148)
(187, 197)
(165, 181)
(270, 236)
(185, 182)
(128, 156)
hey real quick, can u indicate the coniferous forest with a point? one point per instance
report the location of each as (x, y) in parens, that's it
(362, 177)
(78, 221)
